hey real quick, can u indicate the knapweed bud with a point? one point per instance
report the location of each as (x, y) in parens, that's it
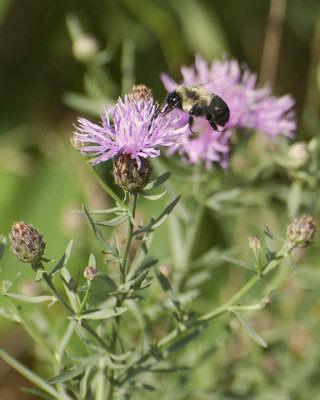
(128, 175)
(298, 155)
(140, 93)
(255, 243)
(90, 273)
(301, 231)
(26, 242)
(85, 47)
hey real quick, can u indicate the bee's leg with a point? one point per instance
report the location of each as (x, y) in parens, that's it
(212, 122)
(195, 111)
(191, 123)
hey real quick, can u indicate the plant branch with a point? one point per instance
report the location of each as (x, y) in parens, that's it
(69, 310)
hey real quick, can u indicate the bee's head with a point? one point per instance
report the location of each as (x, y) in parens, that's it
(172, 101)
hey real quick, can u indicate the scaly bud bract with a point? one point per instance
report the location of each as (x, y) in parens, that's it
(128, 175)
(26, 242)
(301, 231)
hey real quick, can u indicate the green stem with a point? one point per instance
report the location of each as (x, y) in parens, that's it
(285, 250)
(124, 269)
(105, 187)
(85, 299)
(124, 266)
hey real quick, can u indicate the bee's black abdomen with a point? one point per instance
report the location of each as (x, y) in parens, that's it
(219, 110)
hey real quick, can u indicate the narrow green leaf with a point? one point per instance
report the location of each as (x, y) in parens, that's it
(155, 223)
(112, 365)
(32, 377)
(163, 281)
(158, 181)
(121, 357)
(72, 296)
(103, 314)
(269, 241)
(248, 327)
(35, 392)
(183, 342)
(166, 213)
(70, 373)
(113, 222)
(153, 196)
(84, 382)
(64, 259)
(145, 265)
(8, 313)
(31, 299)
(136, 284)
(141, 255)
(110, 249)
(101, 212)
(240, 263)
(93, 359)
(292, 264)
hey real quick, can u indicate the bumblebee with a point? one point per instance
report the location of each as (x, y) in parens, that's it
(197, 102)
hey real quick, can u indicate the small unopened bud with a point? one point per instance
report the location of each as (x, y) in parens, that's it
(140, 93)
(301, 231)
(85, 47)
(255, 243)
(128, 176)
(26, 242)
(267, 301)
(298, 155)
(90, 273)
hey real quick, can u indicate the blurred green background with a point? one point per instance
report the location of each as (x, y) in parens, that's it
(46, 84)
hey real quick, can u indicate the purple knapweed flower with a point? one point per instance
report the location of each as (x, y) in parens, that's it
(128, 128)
(250, 107)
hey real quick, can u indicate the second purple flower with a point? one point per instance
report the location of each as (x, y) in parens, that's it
(250, 107)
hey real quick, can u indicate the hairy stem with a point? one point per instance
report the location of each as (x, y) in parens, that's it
(124, 270)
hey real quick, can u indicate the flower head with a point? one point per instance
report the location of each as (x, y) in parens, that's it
(129, 127)
(301, 232)
(90, 273)
(26, 242)
(250, 107)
